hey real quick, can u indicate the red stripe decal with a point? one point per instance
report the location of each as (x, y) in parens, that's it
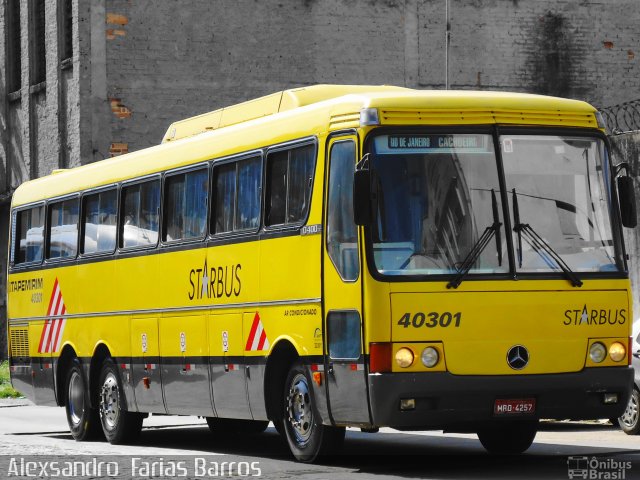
(55, 285)
(252, 333)
(263, 338)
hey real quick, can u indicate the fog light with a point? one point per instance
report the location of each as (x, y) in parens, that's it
(404, 357)
(407, 403)
(429, 357)
(610, 398)
(597, 352)
(617, 351)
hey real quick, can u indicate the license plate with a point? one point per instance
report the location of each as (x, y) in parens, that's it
(514, 406)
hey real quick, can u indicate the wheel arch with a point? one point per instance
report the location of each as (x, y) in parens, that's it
(282, 356)
(65, 360)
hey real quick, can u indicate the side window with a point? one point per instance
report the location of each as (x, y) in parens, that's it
(342, 234)
(63, 229)
(237, 196)
(28, 236)
(140, 206)
(100, 216)
(289, 181)
(185, 206)
(344, 335)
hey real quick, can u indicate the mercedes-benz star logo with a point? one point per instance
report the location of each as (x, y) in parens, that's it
(517, 357)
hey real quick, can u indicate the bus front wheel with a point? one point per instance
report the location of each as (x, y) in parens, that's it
(119, 425)
(512, 438)
(306, 436)
(82, 419)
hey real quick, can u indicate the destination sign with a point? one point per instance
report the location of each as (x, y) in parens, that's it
(437, 142)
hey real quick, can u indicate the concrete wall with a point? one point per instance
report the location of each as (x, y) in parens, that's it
(140, 65)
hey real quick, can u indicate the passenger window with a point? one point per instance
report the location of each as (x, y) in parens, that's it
(289, 180)
(63, 229)
(140, 205)
(100, 216)
(342, 234)
(185, 206)
(28, 236)
(344, 335)
(237, 196)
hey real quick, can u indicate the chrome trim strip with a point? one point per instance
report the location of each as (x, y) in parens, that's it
(18, 321)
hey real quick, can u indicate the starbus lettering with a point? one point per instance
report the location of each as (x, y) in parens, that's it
(214, 282)
(591, 316)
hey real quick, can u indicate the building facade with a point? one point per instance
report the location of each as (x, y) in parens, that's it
(82, 80)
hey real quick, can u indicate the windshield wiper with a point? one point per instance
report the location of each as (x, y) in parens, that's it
(539, 245)
(480, 245)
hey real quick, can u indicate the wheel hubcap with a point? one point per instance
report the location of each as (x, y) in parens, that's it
(630, 416)
(299, 412)
(76, 398)
(110, 402)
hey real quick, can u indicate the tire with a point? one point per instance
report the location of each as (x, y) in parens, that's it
(512, 438)
(630, 419)
(82, 419)
(223, 426)
(307, 438)
(119, 425)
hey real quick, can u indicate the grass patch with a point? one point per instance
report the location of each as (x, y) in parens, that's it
(5, 384)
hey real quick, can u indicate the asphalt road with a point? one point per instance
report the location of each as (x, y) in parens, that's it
(167, 444)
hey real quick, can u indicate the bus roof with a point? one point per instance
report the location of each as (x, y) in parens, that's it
(308, 111)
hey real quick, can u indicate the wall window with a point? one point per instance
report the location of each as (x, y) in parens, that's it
(100, 218)
(27, 235)
(65, 29)
(237, 196)
(289, 182)
(38, 52)
(342, 234)
(63, 229)
(140, 214)
(14, 55)
(185, 206)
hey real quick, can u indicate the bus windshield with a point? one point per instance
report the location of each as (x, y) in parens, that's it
(437, 196)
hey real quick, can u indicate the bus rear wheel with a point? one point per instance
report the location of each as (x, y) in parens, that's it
(512, 438)
(306, 436)
(82, 419)
(119, 425)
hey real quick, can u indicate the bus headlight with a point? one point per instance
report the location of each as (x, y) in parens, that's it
(404, 357)
(617, 351)
(597, 352)
(430, 357)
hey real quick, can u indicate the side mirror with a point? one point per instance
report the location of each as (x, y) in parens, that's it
(627, 201)
(362, 197)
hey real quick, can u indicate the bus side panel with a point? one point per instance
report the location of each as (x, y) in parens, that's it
(227, 366)
(42, 372)
(185, 372)
(145, 365)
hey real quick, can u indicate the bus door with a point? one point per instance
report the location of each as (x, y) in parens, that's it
(343, 346)
(226, 350)
(185, 366)
(145, 364)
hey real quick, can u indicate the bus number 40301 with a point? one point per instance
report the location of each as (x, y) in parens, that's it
(430, 320)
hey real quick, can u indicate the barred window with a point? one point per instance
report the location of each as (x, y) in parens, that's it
(14, 56)
(65, 15)
(38, 52)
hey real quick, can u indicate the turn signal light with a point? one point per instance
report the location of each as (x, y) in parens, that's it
(379, 357)
(617, 351)
(404, 357)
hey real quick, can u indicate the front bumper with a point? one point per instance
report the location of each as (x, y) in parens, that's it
(462, 403)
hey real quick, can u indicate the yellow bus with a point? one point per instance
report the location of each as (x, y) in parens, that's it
(330, 257)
